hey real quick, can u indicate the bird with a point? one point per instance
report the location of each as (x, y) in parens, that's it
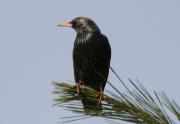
(91, 57)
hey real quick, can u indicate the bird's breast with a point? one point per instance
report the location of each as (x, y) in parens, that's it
(83, 42)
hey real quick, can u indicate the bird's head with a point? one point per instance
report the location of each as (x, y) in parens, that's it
(81, 24)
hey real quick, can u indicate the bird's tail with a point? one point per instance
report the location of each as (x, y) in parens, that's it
(91, 103)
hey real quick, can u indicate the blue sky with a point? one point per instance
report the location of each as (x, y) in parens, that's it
(144, 36)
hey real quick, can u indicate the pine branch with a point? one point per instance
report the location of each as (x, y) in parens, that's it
(136, 105)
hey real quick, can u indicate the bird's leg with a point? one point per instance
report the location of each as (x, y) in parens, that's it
(101, 95)
(79, 85)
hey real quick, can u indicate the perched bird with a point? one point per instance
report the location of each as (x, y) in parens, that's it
(91, 56)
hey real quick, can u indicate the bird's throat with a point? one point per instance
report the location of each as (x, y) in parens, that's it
(84, 37)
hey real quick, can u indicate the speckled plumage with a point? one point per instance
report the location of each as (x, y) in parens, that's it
(91, 58)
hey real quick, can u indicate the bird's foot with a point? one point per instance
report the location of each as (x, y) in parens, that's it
(101, 96)
(79, 86)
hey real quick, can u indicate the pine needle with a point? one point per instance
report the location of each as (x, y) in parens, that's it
(136, 105)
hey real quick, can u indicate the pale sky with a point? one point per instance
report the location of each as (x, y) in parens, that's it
(144, 36)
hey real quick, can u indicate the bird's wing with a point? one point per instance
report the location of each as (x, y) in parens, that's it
(101, 57)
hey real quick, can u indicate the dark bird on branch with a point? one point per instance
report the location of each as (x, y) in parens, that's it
(91, 57)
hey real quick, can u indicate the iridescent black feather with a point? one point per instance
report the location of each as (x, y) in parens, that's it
(91, 56)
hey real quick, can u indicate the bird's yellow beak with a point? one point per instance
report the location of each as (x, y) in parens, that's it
(65, 24)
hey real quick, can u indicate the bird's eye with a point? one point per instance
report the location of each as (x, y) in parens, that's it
(76, 24)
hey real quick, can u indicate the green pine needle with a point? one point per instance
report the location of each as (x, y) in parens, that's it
(136, 105)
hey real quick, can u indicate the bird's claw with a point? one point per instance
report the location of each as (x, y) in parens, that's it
(79, 86)
(101, 96)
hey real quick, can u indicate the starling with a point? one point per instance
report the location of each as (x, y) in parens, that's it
(91, 57)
